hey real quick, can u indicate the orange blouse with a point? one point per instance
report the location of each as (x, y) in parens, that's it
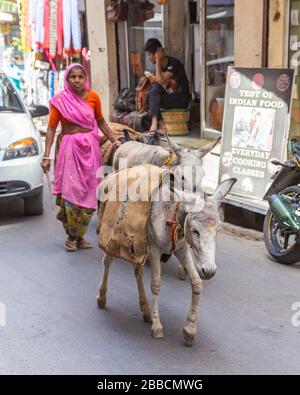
(92, 99)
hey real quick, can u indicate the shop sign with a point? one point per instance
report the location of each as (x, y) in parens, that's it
(255, 127)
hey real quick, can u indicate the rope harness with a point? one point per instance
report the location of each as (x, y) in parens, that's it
(169, 161)
(174, 224)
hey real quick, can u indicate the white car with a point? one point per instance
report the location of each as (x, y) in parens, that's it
(21, 149)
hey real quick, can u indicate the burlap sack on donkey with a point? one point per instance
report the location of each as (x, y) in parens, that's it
(107, 148)
(123, 222)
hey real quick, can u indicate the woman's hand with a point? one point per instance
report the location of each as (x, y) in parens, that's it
(46, 163)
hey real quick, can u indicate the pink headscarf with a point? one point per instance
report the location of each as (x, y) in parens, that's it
(73, 107)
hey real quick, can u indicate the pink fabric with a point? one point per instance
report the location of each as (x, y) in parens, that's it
(46, 24)
(79, 156)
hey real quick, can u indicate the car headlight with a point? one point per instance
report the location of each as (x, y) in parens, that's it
(21, 149)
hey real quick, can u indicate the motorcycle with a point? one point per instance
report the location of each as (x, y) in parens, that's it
(282, 221)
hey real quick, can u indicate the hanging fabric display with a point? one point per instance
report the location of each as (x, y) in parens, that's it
(72, 31)
(51, 24)
(51, 32)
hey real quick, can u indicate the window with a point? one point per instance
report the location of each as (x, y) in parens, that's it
(9, 100)
(219, 55)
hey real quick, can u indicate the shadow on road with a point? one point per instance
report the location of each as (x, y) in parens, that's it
(12, 211)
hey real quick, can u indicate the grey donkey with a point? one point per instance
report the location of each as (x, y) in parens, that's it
(185, 163)
(199, 221)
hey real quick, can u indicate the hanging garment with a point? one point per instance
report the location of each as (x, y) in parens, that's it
(46, 23)
(51, 78)
(24, 26)
(52, 29)
(72, 32)
(39, 23)
(29, 25)
(59, 27)
(32, 20)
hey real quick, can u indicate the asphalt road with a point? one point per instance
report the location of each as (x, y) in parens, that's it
(53, 325)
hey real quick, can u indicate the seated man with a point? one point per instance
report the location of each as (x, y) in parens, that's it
(170, 85)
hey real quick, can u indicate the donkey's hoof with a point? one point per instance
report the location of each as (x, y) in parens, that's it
(181, 273)
(157, 333)
(189, 335)
(147, 318)
(101, 302)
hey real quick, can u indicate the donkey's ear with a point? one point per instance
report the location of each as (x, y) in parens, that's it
(207, 148)
(222, 190)
(173, 146)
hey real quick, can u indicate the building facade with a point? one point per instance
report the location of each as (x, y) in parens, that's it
(207, 36)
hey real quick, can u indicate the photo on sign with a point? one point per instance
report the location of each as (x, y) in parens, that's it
(295, 17)
(253, 128)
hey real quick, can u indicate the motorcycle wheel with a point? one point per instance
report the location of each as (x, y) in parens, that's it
(275, 241)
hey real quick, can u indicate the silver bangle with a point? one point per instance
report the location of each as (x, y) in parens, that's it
(46, 157)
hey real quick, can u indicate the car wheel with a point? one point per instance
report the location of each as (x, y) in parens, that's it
(33, 205)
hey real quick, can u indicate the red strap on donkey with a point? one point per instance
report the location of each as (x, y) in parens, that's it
(174, 224)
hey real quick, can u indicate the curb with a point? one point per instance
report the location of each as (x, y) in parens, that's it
(243, 233)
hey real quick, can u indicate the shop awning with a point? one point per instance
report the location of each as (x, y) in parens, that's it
(8, 6)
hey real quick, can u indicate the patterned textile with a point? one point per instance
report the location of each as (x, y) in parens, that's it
(52, 29)
(75, 219)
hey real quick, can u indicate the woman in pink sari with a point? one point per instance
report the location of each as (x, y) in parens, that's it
(78, 156)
